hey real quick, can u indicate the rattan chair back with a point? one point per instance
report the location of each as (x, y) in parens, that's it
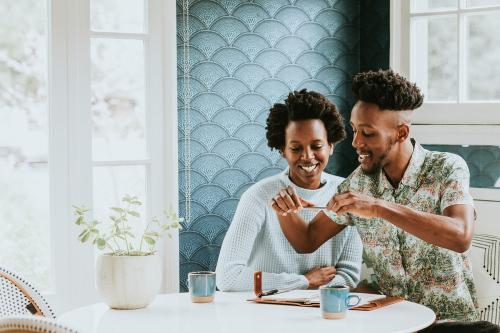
(18, 297)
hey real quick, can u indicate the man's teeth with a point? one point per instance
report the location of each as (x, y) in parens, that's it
(363, 156)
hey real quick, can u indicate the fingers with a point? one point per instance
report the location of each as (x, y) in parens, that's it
(279, 205)
(295, 197)
(286, 201)
(346, 209)
(329, 270)
(306, 203)
(287, 198)
(339, 201)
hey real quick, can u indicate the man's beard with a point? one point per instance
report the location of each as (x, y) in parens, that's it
(379, 165)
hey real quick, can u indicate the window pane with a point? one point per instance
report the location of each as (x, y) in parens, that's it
(483, 57)
(118, 115)
(483, 162)
(24, 175)
(111, 184)
(117, 15)
(478, 3)
(434, 57)
(427, 5)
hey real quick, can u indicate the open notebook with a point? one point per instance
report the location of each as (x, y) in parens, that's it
(312, 296)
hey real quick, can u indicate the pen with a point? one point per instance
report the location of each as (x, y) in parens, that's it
(274, 292)
(316, 207)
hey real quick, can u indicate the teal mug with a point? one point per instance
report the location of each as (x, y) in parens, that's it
(201, 286)
(335, 301)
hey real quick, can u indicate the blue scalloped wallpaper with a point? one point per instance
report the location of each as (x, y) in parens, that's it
(244, 56)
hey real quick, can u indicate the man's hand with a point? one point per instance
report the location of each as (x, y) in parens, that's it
(319, 276)
(356, 204)
(287, 201)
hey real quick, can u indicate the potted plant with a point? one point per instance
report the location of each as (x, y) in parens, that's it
(128, 272)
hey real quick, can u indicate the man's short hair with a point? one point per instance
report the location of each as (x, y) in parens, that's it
(303, 105)
(386, 89)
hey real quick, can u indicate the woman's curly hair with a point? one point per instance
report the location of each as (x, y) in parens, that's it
(303, 105)
(386, 89)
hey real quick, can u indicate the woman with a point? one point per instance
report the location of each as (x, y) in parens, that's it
(304, 130)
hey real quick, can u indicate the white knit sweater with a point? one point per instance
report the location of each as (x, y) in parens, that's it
(255, 242)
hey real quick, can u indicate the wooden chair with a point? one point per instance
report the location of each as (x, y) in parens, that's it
(24, 324)
(18, 297)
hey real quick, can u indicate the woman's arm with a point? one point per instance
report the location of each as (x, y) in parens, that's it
(349, 263)
(233, 272)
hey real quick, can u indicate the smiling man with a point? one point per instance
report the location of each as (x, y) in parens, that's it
(411, 206)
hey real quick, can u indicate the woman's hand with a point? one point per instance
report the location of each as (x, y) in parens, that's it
(319, 276)
(287, 201)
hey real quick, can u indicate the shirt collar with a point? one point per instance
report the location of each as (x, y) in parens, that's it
(410, 177)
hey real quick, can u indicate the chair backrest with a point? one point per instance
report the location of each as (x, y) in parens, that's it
(23, 324)
(485, 257)
(18, 297)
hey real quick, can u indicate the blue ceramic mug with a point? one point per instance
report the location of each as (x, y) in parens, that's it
(335, 301)
(201, 286)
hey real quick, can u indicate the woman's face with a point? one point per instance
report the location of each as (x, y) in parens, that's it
(307, 151)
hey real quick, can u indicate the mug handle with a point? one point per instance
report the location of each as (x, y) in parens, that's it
(348, 301)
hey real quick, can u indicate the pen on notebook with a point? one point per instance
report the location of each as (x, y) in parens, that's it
(274, 292)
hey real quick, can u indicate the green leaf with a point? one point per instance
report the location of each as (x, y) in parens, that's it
(84, 236)
(149, 240)
(101, 243)
(118, 209)
(79, 220)
(128, 233)
(134, 213)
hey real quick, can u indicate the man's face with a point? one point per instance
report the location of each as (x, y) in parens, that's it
(307, 151)
(375, 134)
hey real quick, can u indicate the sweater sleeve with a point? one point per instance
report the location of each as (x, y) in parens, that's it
(349, 263)
(233, 272)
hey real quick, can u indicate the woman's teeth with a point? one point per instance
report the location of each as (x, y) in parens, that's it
(309, 168)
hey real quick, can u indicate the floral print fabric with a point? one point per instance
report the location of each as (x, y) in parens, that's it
(405, 265)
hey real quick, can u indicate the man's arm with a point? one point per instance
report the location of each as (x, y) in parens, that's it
(308, 237)
(453, 230)
(304, 237)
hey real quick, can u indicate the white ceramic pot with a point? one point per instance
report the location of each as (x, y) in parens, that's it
(128, 282)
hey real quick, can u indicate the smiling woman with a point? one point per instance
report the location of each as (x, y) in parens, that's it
(304, 129)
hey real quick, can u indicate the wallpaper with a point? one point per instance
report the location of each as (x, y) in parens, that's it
(244, 56)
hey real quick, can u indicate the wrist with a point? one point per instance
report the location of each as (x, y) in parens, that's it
(381, 207)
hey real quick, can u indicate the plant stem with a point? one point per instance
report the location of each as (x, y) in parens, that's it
(124, 216)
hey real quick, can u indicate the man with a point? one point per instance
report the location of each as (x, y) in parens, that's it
(411, 206)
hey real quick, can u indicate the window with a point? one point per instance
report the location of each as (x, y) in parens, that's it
(24, 138)
(88, 100)
(450, 49)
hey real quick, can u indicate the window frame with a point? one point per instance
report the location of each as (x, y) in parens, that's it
(445, 123)
(70, 168)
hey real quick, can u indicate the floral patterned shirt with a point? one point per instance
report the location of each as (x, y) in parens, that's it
(405, 265)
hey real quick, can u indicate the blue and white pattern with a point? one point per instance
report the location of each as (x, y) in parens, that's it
(244, 56)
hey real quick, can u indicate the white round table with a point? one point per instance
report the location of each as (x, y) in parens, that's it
(230, 312)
